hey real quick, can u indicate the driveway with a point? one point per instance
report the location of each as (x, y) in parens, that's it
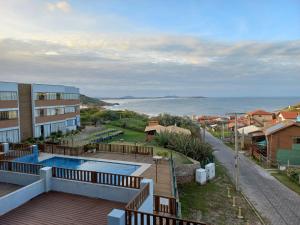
(277, 204)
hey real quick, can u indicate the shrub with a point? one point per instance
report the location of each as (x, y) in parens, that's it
(187, 145)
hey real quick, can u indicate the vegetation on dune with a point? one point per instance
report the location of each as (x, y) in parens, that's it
(93, 102)
(185, 144)
(93, 116)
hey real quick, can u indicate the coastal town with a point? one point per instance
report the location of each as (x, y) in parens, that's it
(136, 169)
(149, 112)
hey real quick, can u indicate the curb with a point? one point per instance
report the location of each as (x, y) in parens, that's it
(254, 209)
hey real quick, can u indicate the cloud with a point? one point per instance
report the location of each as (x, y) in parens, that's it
(157, 65)
(63, 6)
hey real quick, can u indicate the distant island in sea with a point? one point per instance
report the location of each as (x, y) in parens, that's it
(157, 97)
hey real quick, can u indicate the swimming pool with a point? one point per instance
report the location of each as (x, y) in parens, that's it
(83, 164)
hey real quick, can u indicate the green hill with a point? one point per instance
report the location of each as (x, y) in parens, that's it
(93, 102)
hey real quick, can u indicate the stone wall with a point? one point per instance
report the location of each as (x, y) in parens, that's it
(185, 173)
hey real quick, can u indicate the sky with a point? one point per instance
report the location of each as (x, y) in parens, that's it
(111, 48)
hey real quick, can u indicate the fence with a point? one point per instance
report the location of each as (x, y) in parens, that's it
(164, 204)
(61, 150)
(20, 167)
(139, 198)
(20, 147)
(97, 177)
(133, 217)
(129, 149)
(13, 154)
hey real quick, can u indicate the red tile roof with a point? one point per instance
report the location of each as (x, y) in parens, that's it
(289, 115)
(259, 112)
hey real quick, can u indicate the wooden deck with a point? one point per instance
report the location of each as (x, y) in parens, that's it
(6, 188)
(56, 208)
(163, 186)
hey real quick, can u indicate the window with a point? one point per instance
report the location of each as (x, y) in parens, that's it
(59, 111)
(8, 115)
(296, 140)
(9, 136)
(68, 96)
(51, 112)
(8, 95)
(70, 109)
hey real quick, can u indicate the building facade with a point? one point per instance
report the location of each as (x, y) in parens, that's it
(37, 110)
(9, 112)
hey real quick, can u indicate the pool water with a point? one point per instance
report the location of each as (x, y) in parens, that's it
(90, 165)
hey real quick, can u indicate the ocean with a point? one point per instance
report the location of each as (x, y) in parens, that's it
(202, 106)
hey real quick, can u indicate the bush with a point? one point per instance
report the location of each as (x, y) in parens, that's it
(187, 145)
(184, 122)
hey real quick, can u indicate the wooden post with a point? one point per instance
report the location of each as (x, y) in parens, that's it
(9, 166)
(94, 176)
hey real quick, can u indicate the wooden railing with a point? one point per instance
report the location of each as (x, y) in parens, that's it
(61, 150)
(133, 217)
(165, 204)
(139, 198)
(97, 177)
(20, 167)
(128, 149)
(20, 147)
(13, 154)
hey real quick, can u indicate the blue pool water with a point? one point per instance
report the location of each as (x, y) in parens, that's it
(91, 165)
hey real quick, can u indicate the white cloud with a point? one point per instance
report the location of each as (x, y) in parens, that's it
(63, 6)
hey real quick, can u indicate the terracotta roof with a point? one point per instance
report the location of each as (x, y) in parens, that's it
(289, 115)
(259, 112)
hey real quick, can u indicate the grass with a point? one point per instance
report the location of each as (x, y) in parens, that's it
(285, 180)
(132, 137)
(129, 135)
(178, 157)
(209, 203)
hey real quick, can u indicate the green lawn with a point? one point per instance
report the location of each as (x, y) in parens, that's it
(209, 203)
(134, 137)
(129, 135)
(178, 157)
(284, 179)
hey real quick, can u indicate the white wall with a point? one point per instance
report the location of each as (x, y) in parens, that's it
(22, 179)
(21, 196)
(107, 192)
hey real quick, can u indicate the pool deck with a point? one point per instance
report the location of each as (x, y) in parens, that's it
(63, 209)
(6, 188)
(143, 166)
(163, 186)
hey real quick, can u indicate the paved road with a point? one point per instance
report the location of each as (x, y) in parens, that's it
(275, 202)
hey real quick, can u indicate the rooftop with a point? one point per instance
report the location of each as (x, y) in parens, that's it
(61, 208)
(6, 188)
(289, 115)
(260, 112)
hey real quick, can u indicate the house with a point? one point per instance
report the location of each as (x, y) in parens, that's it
(283, 135)
(259, 117)
(154, 128)
(286, 115)
(251, 134)
(37, 110)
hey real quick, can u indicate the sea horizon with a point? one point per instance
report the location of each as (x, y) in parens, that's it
(188, 106)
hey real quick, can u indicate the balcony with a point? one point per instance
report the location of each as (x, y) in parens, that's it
(42, 103)
(44, 119)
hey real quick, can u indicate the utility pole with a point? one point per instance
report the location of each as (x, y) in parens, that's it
(204, 128)
(223, 135)
(236, 148)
